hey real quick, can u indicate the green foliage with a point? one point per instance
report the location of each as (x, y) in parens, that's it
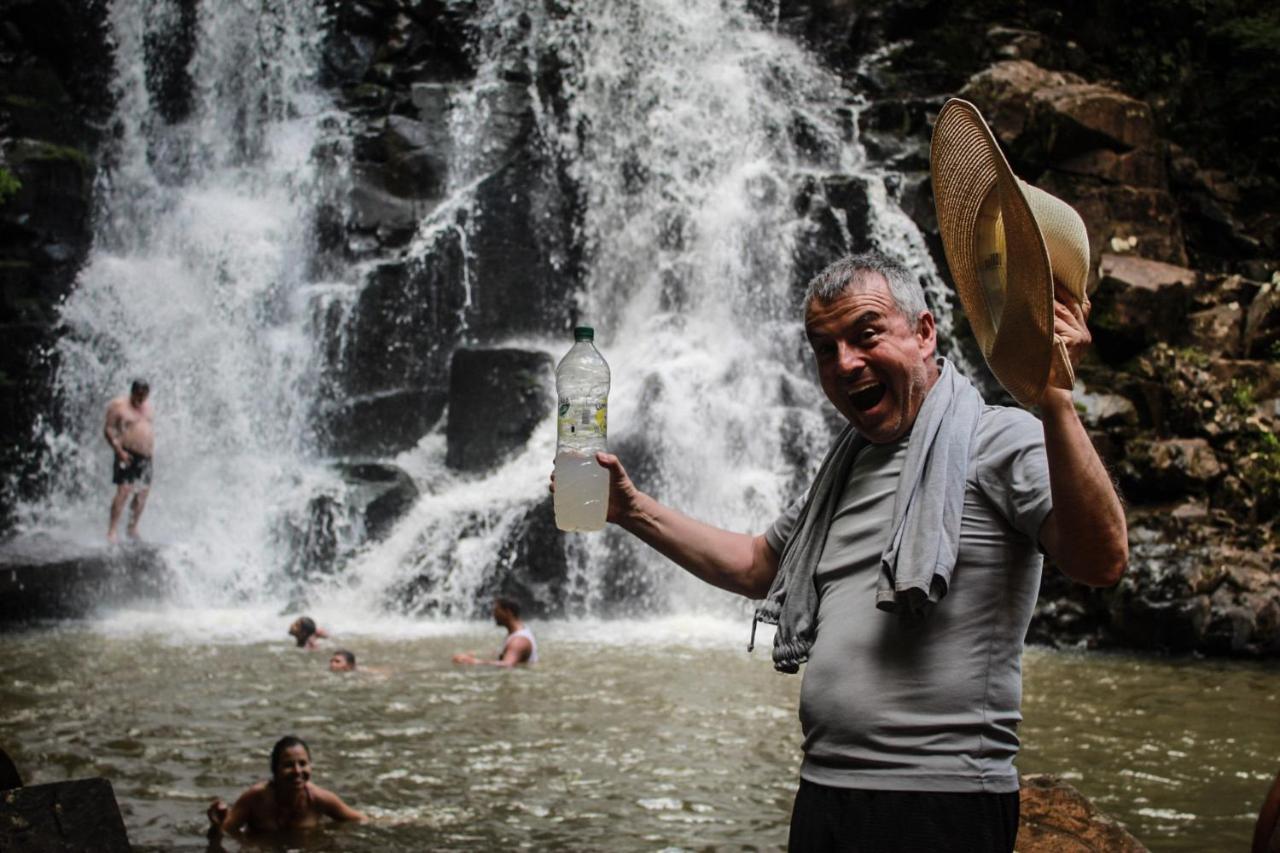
(1260, 470)
(9, 185)
(1193, 356)
(1241, 395)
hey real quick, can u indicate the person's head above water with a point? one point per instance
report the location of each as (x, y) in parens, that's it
(874, 342)
(302, 629)
(139, 391)
(505, 610)
(291, 762)
(342, 661)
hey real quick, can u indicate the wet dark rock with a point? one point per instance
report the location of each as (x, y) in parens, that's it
(532, 567)
(497, 397)
(169, 44)
(43, 579)
(55, 68)
(62, 817)
(336, 522)
(382, 424)
(1054, 817)
(404, 323)
(384, 491)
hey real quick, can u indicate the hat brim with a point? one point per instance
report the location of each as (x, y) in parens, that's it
(1004, 281)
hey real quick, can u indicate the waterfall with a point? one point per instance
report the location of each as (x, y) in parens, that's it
(691, 130)
(712, 161)
(202, 280)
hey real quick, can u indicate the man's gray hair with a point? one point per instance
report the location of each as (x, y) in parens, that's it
(839, 276)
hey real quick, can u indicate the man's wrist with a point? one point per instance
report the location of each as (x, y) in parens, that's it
(1057, 403)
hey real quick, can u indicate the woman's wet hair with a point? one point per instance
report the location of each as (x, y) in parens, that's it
(306, 629)
(281, 745)
(349, 657)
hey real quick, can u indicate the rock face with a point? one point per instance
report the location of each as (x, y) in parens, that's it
(54, 68)
(64, 817)
(496, 399)
(1056, 818)
(40, 580)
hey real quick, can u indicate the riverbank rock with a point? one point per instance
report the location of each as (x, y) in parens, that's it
(1054, 817)
(79, 816)
(41, 579)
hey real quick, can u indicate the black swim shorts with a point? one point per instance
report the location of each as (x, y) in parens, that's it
(136, 470)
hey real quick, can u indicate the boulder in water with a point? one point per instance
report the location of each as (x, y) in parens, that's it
(70, 816)
(42, 579)
(1054, 817)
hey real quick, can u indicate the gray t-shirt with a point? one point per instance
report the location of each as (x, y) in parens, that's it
(933, 705)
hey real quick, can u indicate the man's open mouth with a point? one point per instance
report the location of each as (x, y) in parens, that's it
(866, 397)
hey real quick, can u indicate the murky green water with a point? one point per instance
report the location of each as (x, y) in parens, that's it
(628, 736)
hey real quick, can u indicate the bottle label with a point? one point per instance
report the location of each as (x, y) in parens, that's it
(580, 420)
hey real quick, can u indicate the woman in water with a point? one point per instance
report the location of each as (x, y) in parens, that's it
(288, 800)
(304, 631)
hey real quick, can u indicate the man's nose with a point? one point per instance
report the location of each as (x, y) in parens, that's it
(848, 359)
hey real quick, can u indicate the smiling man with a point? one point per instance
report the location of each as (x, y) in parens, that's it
(906, 577)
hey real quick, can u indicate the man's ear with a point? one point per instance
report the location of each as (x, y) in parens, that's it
(927, 332)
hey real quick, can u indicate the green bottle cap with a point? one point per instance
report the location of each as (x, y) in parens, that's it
(584, 333)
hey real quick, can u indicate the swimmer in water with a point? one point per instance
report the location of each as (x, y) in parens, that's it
(289, 800)
(518, 649)
(304, 631)
(342, 661)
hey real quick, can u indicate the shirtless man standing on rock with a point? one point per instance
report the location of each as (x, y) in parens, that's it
(129, 432)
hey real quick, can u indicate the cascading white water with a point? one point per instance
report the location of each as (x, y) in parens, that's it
(691, 127)
(199, 281)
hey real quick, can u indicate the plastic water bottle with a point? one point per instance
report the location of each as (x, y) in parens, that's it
(582, 386)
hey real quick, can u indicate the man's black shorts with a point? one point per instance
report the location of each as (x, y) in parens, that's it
(136, 470)
(857, 821)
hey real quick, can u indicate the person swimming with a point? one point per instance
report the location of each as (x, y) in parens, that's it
(342, 661)
(518, 649)
(288, 800)
(304, 631)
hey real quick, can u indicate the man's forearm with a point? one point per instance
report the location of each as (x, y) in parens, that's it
(1090, 540)
(737, 562)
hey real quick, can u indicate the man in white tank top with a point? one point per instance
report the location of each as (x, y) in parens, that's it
(519, 647)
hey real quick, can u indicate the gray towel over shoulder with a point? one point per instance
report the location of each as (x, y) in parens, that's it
(916, 566)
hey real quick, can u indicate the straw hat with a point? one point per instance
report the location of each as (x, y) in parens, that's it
(1006, 242)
